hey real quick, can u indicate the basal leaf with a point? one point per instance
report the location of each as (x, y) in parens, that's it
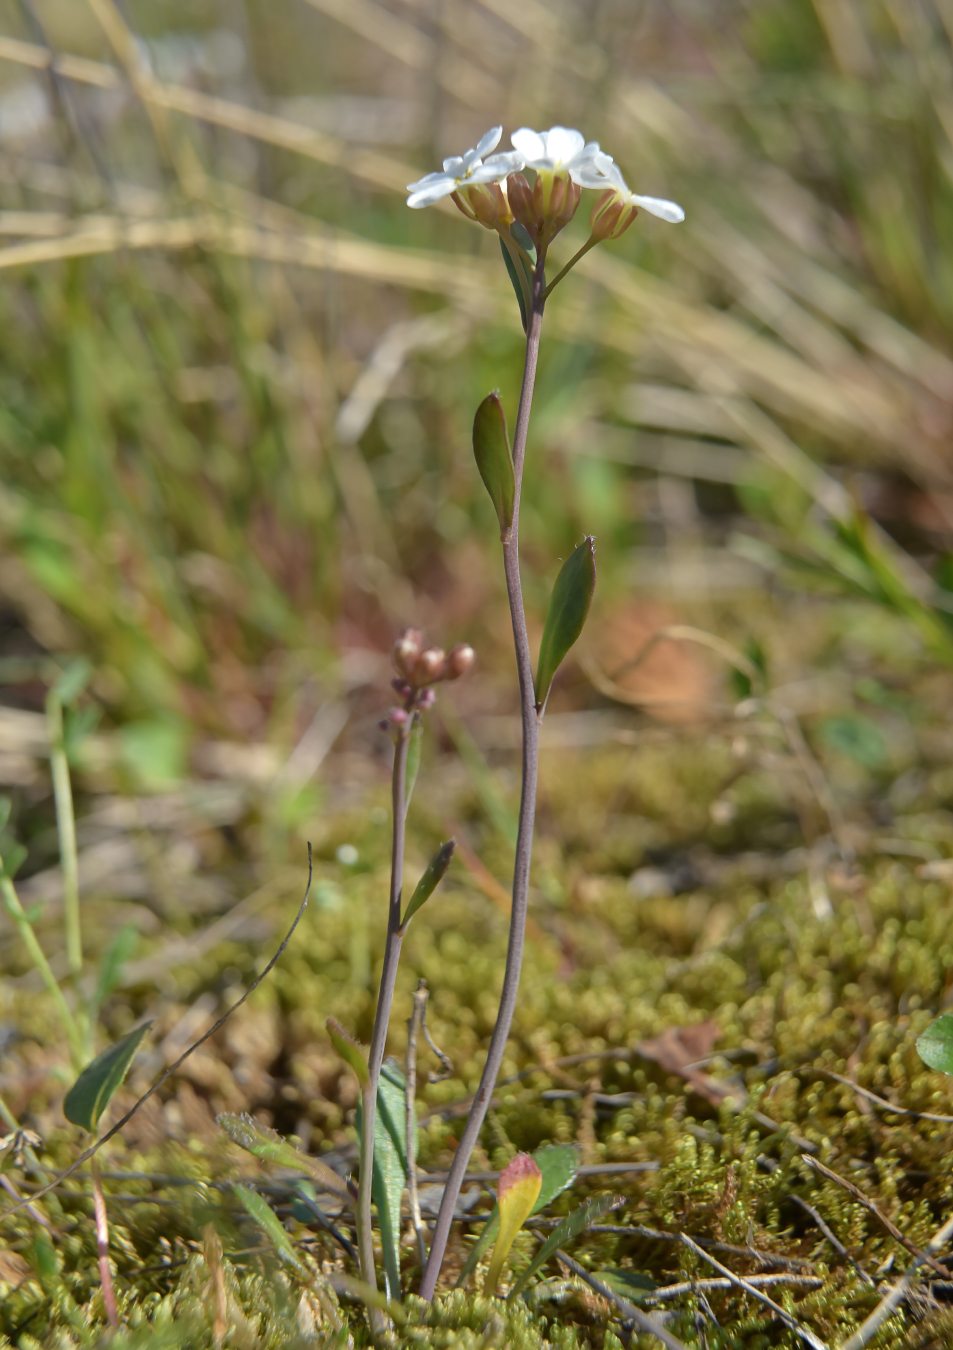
(935, 1046)
(516, 1194)
(571, 1227)
(268, 1145)
(491, 449)
(568, 607)
(349, 1050)
(559, 1164)
(390, 1166)
(630, 1284)
(428, 883)
(93, 1090)
(110, 968)
(266, 1218)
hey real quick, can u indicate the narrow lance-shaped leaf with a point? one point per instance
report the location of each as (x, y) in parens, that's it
(428, 883)
(568, 607)
(414, 740)
(390, 1165)
(570, 1227)
(516, 1194)
(266, 1217)
(491, 449)
(559, 1164)
(268, 1145)
(349, 1050)
(94, 1089)
(516, 271)
(935, 1046)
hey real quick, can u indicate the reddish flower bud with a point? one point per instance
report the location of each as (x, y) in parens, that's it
(520, 197)
(429, 666)
(426, 699)
(489, 205)
(407, 650)
(611, 216)
(397, 716)
(459, 660)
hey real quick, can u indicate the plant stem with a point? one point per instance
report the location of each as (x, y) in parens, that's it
(413, 1032)
(14, 908)
(527, 817)
(385, 999)
(581, 253)
(102, 1244)
(66, 830)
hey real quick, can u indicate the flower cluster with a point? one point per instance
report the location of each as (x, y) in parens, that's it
(419, 668)
(563, 163)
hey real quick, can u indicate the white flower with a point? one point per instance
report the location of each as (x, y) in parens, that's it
(462, 171)
(561, 150)
(656, 206)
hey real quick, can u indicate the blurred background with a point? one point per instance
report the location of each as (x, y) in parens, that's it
(237, 380)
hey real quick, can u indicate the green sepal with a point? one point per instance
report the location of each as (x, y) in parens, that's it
(428, 883)
(268, 1145)
(568, 608)
(349, 1050)
(96, 1086)
(491, 449)
(935, 1046)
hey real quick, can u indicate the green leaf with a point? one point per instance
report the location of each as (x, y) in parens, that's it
(390, 1165)
(568, 607)
(428, 883)
(491, 449)
(73, 680)
(857, 737)
(415, 740)
(268, 1145)
(12, 860)
(630, 1284)
(571, 1227)
(511, 265)
(5, 807)
(349, 1050)
(935, 1046)
(559, 1164)
(266, 1218)
(94, 1089)
(110, 969)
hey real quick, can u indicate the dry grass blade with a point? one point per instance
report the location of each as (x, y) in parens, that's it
(878, 1214)
(802, 1332)
(892, 1300)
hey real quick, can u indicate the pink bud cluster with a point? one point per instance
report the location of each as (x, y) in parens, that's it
(419, 668)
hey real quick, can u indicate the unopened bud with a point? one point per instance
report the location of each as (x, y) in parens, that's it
(407, 650)
(459, 660)
(397, 716)
(520, 197)
(429, 666)
(426, 699)
(401, 687)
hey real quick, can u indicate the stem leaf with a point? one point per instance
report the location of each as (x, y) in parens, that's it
(428, 883)
(511, 265)
(491, 449)
(349, 1050)
(571, 1227)
(414, 741)
(268, 1145)
(568, 608)
(94, 1089)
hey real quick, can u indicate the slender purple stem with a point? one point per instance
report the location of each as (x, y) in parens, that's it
(524, 840)
(385, 999)
(102, 1244)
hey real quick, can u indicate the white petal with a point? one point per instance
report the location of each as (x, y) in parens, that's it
(425, 194)
(456, 164)
(658, 206)
(589, 175)
(489, 142)
(529, 144)
(563, 144)
(498, 166)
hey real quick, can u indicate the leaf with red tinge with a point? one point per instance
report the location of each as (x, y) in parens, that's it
(516, 1194)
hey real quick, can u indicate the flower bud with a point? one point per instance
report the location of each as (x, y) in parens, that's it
(459, 660)
(397, 717)
(429, 666)
(520, 197)
(407, 650)
(426, 699)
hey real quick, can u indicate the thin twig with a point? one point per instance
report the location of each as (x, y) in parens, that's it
(805, 1333)
(173, 1068)
(670, 1291)
(644, 1321)
(446, 1063)
(527, 816)
(658, 1235)
(414, 1025)
(888, 1305)
(879, 1101)
(833, 1239)
(878, 1214)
